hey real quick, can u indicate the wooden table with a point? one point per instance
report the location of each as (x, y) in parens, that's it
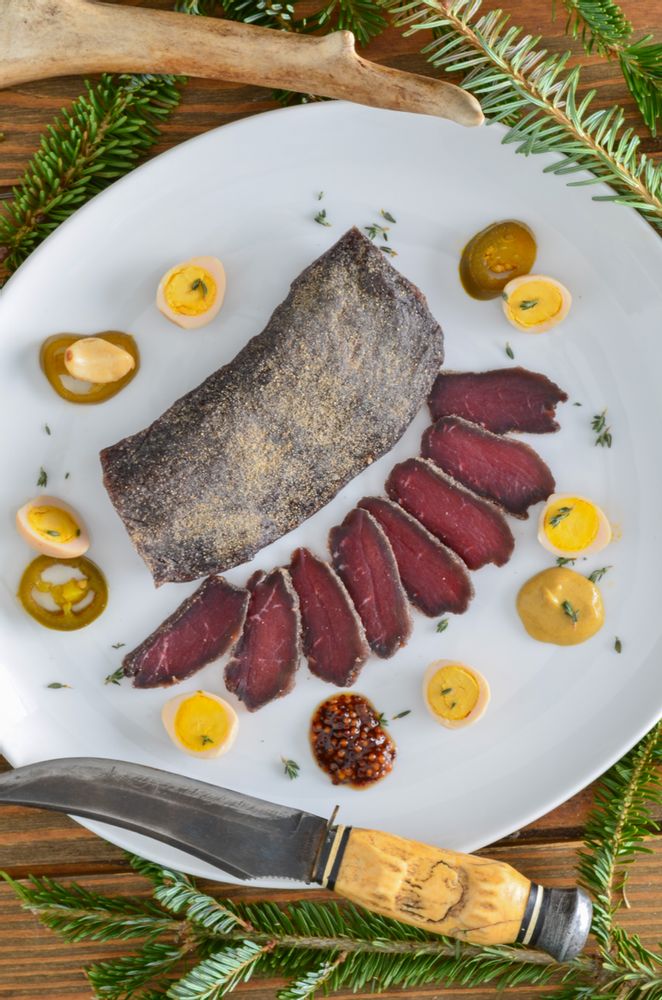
(33, 961)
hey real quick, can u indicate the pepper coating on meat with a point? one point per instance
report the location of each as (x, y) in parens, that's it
(498, 468)
(331, 383)
(201, 630)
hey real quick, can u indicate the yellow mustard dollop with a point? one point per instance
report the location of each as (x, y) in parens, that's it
(453, 692)
(53, 524)
(190, 290)
(201, 722)
(560, 606)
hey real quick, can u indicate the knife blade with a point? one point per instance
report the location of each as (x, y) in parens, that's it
(471, 898)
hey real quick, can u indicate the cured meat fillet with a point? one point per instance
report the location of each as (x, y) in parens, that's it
(506, 399)
(265, 660)
(471, 526)
(333, 638)
(364, 561)
(495, 467)
(202, 629)
(435, 579)
(330, 385)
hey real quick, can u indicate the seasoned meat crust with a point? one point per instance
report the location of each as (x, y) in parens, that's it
(330, 384)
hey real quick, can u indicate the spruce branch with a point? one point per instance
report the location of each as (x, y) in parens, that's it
(603, 27)
(535, 94)
(616, 830)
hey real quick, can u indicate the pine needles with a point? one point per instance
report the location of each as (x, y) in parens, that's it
(603, 27)
(197, 947)
(99, 139)
(535, 94)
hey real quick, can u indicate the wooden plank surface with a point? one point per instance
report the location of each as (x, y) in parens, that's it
(33, 961)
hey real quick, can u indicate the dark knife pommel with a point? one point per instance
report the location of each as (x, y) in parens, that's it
(557, 921)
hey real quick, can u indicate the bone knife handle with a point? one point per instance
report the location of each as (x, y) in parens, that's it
(471, 898)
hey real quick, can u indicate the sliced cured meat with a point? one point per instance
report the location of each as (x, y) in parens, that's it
(331, 383)
(333, 639)
(364, 561)
(264, 661)
(506, 399)
(435, 579)
(496, 467)
(202, 629)
(471, 526)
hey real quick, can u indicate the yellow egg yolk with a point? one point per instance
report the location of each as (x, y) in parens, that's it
(534, 302)
(453, 692)
(190, 290)
(572, 524)
(52, 523)
(201, 722)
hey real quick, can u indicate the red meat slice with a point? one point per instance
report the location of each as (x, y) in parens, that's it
(364, 561)
(498, 468)
(264, 661)
(202, 629)
(506, 399)
(435, 579)
(471, 526)
(333, 638)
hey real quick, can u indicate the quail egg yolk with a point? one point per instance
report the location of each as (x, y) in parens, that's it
(534, 302)
(53, 524)
(201, 722)
(453, 692)
(572, 524)
(190, 290)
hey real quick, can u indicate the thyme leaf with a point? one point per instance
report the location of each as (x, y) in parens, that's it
(570, 612)
(42, 479)
(510, 352)
(565, 561)
(202, 285)
(602, 430)
(291, 768)
(115, 677)
(598, 574)
(56, 685)
(528, 303)
(442, 625)
(561, 513)
(618, 645)
(401, 715)
(321, 218)
(386, 215)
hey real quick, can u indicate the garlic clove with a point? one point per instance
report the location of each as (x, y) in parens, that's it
(93, 359)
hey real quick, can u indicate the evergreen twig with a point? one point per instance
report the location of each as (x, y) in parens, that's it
(198, 947)
(603, 27)
(537, 97)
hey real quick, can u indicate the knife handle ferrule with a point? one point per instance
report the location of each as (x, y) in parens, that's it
(331, 856)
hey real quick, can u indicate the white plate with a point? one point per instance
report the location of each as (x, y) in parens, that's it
(248, 194)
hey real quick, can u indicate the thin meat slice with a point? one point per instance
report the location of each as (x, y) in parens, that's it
(202, 629)
(498, 468)
(333, 637)
(435, 579)
(505, 399)
(364, 561)
(471, 526)
(265, 660)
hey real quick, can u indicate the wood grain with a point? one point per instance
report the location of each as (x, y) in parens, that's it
(34, 963)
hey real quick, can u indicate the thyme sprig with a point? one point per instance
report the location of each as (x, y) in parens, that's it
(290, 768)
(194, 946)
(603, 432)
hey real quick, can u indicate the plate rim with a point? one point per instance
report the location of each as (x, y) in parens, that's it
(196, 868)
